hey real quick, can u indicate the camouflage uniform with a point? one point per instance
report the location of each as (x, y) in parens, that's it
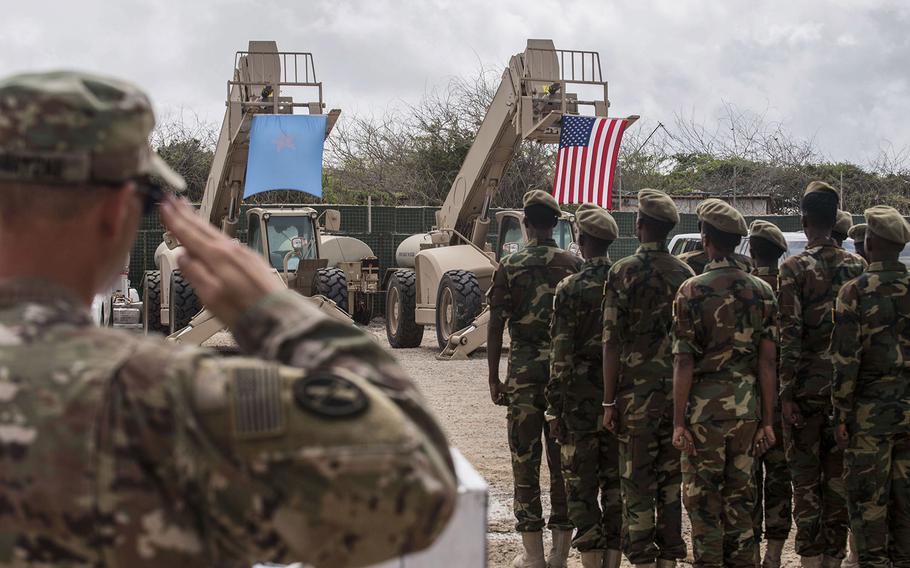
(522, 294)
(870, 346)
(721, 317)
(809, 283)
(698, 259)
(638, 314)
(773, 507)
(120, 450)
(589, 454)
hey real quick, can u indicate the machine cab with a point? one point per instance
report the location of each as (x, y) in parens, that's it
(288, 239)
(513, 237)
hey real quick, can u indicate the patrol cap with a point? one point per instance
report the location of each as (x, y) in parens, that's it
(857, 232)
(768, 231)
(595, 221)
(821, 186)
(722, 216)
(657, 205)
(843, 223)
(541, 197)
(887, 223)
(68, 127)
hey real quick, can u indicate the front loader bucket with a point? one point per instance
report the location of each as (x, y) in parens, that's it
(466, 341)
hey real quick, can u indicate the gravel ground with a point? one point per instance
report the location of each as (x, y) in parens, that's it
(458, 394)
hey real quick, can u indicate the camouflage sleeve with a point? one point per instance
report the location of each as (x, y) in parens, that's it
(791, 330)
(319, 451)
(846, 350)
(499, 299)
(770, 326)
(562, 347)
(614, 314)
(685, 338)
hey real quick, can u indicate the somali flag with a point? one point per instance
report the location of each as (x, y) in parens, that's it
(285, 153)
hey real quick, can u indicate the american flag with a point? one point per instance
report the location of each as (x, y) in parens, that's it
(588, 149)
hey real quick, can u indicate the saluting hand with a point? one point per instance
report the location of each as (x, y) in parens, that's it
(228, 277)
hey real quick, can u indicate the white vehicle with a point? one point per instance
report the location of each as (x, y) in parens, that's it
(119, 305)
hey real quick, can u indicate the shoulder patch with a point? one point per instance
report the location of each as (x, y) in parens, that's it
(330, 396)
(257, 409)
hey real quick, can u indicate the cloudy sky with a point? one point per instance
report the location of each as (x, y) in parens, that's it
(833, 70)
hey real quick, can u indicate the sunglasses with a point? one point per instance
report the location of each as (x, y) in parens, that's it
(150, 193)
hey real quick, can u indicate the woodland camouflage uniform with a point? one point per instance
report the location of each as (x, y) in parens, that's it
(522, 295)
(773, 502)
(589, 453)
(871, 395)
(698, 259)
(721, 317)
(809, 283)
(638, 314)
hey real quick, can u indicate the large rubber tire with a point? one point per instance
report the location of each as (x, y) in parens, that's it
(363, 311)
(184, 304)
(151, 303)
(333, 284)
(401, 305)
(458, 301)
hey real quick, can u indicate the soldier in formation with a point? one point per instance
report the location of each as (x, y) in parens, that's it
(841, 227)
(698, 259)
(637, 392)
(858, 234)
(522, 297)
(809, 283)
(724, 382)
(590, 459)
(870, 347)
(773, 513)
(121, 450)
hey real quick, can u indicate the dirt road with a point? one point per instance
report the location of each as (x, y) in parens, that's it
(458, 394)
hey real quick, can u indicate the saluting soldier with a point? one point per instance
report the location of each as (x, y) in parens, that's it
(871, 349)
(590, 459)
(773, 515)
(638, 376)
(858, 234)
(809, 283)
(522, 296)
(841, 227)
(123, 450)
(725, 337)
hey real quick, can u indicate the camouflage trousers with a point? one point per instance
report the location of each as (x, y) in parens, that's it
(819, 495)
(528, 436)
(590, 466)
(719, 493)
(773, 507)
(651, 478)
(878, 484)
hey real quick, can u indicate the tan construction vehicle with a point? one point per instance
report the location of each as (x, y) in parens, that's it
(291, 238)
(443, 276)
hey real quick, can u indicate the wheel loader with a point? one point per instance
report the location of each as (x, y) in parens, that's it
(265, 81)
(442, 277)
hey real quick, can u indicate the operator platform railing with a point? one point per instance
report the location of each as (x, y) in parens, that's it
(294, 69)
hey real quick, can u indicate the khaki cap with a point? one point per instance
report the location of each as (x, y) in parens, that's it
(722, 216)
(843, 223)
(595, 221)
(541, 197)
(767, 230)
(821, 186)
(858, 232)
(68, 127)
(657, 205)
(887, 223)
